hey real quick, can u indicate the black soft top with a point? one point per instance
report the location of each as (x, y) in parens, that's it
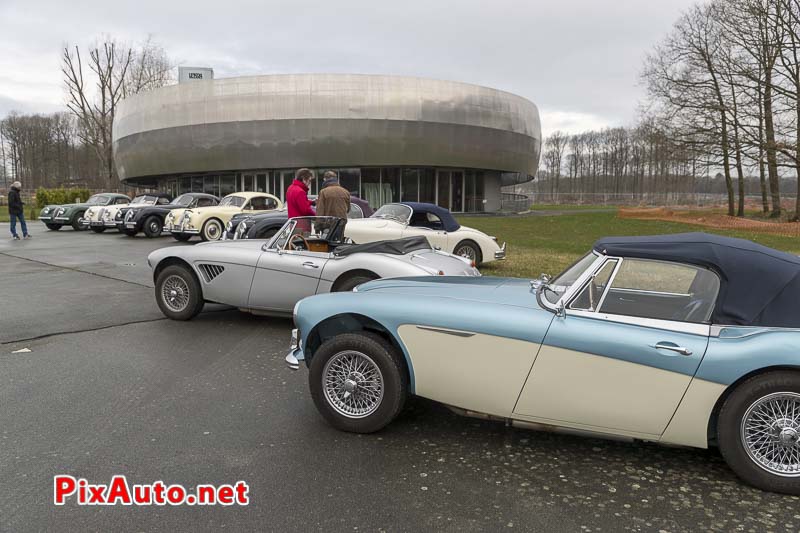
(759, 286)
(394, 247)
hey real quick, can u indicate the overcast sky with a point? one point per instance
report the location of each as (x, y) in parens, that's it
(578, 60)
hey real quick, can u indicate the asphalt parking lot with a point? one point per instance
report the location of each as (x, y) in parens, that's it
(111, 387)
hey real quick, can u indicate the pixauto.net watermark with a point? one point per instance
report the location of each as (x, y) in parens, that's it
(119, 492)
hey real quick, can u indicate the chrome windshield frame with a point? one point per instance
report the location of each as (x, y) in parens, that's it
(574, 288)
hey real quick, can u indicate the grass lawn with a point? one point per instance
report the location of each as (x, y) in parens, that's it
(549, 244)
(30, 215)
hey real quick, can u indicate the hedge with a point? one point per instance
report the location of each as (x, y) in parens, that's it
(60, 196)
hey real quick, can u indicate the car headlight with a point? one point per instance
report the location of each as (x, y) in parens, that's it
(241, 231)
(45, 210)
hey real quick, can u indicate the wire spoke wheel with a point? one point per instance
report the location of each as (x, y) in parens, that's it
(466, 251)
(770, 433)
(353, 384)
(175, 293)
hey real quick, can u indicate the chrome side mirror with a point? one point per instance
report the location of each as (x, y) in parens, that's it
(561, 311)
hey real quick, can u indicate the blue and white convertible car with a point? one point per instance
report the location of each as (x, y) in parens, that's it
(687, 339)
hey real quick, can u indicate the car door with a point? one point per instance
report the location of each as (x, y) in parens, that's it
(284, 277)
(623, 353)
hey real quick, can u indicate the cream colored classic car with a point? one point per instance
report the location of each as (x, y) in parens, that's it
(410, 219)
(102, 218)
(209, 222)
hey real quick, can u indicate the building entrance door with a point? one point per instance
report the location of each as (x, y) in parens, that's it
(248, 182)
(443, 188)
(457, 181)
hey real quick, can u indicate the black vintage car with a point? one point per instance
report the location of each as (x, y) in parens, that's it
(265, 225)
(150, 219)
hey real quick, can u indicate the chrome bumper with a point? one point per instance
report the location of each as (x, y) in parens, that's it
(179, 229)
(501, 253)
(292, 359)
(130, 225)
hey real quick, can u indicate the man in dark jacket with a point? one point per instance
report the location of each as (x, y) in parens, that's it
(297, 202)
(16, 210)
(334, 200)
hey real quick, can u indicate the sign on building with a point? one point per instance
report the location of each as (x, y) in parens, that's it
(186, 74)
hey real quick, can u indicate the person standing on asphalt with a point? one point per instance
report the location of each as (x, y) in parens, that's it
(334, 200)
(16, 210)
(297, 201)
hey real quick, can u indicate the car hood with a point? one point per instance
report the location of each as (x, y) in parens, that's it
(484, 289)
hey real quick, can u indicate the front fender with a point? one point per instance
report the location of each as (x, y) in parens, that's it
(392, 310)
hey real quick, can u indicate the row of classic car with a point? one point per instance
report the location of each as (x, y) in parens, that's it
(688, 339)
(255, 215)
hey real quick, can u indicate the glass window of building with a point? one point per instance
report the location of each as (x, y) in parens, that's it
(275, 184)
(371, 187)
(261, 182)
(197, 184)
(227, 184)
(427, 186)
(288, 177)
(349, 178)
(248, 182)
(390, 185)
(443, 188)
(457, 191)
(211, 185)
(409, 189)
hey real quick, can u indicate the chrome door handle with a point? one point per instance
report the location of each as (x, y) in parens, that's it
(671, 347)
(309, 264)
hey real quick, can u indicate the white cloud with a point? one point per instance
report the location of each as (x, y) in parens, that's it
(578, 60)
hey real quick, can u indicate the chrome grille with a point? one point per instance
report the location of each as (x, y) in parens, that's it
(210, 272)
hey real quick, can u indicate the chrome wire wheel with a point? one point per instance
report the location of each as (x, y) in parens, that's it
(353, 384)
(465, 250)
(175, 293)
(770, 433)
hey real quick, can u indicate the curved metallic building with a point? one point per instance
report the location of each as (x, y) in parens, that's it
(391, 138)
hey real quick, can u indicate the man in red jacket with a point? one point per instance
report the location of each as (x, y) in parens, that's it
(297, 200)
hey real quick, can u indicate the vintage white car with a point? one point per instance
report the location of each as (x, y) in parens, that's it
(209, 222)
(409, 219)
(102, 218)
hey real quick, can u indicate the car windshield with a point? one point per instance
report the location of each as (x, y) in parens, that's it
(97, 199)
(183, 200)
(302, 232)
(145, 199)
(235, 201)
(556, 288)
(398, 212)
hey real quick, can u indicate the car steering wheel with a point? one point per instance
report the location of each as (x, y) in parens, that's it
(293, 246)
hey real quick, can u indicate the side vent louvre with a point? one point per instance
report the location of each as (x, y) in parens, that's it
(211, 271)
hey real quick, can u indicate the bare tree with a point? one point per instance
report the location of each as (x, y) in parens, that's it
(113, 71)
(684, 78)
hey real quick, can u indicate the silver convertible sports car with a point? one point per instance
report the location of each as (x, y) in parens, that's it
(307, 256)
(687, 339)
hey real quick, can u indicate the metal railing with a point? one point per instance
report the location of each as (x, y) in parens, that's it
(514, 203)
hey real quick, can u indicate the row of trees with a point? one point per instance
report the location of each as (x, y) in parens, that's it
(726, 83)
(722, 112)
(76, 146)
